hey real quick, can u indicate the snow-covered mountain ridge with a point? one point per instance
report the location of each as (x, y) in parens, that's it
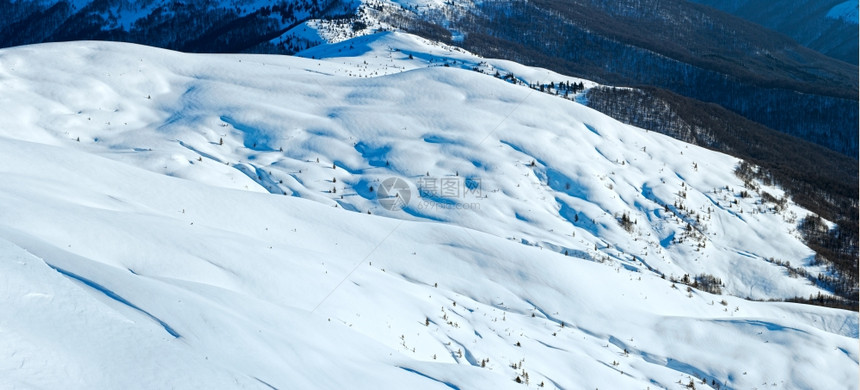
(202, 282)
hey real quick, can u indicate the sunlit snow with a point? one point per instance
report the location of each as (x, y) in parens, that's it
(212, 221)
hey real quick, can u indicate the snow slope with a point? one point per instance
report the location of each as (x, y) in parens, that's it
(160, 282)
(284, 122)
(141, 196)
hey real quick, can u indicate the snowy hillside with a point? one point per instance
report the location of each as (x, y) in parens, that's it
(143, 208)
(547, 172)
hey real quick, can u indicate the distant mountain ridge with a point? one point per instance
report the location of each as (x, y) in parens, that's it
(828, 26)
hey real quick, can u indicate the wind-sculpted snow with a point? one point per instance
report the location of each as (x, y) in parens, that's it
(146, 240)
(543, 170)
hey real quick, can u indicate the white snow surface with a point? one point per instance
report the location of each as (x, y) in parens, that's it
(146, 242)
